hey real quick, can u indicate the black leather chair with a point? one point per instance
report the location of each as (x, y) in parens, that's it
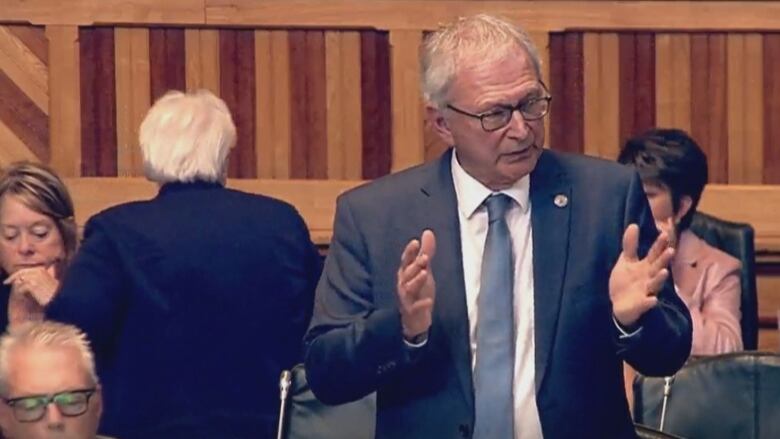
(305, 417)
(727, 396)
(738, 240)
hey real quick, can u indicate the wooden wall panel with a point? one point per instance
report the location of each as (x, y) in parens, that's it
(237, 89)
(33, 38)
(745, 102)
(771, 92)
(65, 99)
(673, 80)
(343, 109)
(601, 97)
(133, 96)
(98, 102)
(167, 60)
(709, 125)
(201, 47)
(637, 83)
(566, 86)
(308, 93)
(24, 68)
(272, 111)
(23, 120)
(376, 103)
(407, 117)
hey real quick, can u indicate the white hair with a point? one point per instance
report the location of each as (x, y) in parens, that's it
(46, 335)
(478, 38)
(186, 137)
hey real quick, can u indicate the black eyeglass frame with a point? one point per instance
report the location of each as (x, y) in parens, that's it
(48, 399)
(518, 107)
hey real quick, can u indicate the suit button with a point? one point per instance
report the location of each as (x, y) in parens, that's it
(465, 430)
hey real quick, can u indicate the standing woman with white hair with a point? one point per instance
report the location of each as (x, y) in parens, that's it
(195, 300)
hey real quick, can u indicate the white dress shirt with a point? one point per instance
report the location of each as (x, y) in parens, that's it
(473, 232)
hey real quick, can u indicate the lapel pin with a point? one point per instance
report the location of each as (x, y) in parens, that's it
(561, 200)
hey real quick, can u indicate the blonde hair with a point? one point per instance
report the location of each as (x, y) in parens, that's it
(42, 191)
(186, 137)
(482, 38)
(47, 335)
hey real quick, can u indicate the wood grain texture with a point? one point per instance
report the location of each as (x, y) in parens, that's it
(167, 61)
(637, 83)
(237, 89)
(771, 92)
(87, 12)
(745, 104)
(673, 80)
(34, 38)
(98, 102)
(24, 68)
(376, 103)
(23, 118)
(342, 71)
(601, 97)
(272, 112)
(407, 115)
(201, 52)
(566, 85)
(709, 124)
(13, 148)
(133, 96)
(65, 100)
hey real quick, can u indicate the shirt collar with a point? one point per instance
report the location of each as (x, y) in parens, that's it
(471, 193)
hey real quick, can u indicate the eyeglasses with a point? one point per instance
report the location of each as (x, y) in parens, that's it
(32, 408)
(531, 109)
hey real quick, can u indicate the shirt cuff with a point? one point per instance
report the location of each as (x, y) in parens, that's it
(623, 333)
(418, 344)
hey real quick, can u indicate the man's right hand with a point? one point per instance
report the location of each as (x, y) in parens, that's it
(416, 286)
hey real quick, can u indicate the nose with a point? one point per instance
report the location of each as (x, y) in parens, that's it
(54, 418)
(518, 127)
(26, 246)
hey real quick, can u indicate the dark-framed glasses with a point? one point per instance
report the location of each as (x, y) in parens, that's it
(532, 109)
(32, 408)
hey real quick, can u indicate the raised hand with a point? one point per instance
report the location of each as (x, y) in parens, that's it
(416, 286)
(634, 283)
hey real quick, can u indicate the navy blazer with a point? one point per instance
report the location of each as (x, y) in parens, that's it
(355, 345)
(194, 302)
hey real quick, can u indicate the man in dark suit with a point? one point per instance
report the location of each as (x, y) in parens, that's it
(494, 292)
(196, 300)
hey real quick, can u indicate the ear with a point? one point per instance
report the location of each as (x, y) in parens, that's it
(97, 401)
(436, 119)
(686, 202)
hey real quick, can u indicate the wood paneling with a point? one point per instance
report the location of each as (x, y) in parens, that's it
(601, 97)
(407, 115)
(133, 96)
(272, 113)
(342, 72)
(308, 92)
(34, 38)
(98, 102)
(673, 80)
(566, 86)
(201, 47)
(771, 92)
(637, 83)
(745, 102)
(167, 61)
(376, 103)
(23, 118)
(65, 100)
(237, 88)
(103, 11)
(24, 68)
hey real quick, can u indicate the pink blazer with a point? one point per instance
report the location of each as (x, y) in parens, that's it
(707, 280)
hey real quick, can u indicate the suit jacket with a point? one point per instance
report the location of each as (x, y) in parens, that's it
(194, 302)
(355, 344)
(707, 280)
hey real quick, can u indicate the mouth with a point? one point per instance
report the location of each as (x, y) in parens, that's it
(520, 154)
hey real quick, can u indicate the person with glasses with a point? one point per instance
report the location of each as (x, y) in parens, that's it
(48, 386)
(494, 292)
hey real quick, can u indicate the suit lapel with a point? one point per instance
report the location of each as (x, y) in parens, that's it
(551, 203)
(450, 315)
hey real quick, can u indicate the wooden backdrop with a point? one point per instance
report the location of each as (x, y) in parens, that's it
(325, 93)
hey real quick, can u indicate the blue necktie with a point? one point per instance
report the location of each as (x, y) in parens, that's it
(494, 370)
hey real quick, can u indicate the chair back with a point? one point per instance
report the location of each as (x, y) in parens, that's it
(305, 417)
(727, 396)
(738, 240)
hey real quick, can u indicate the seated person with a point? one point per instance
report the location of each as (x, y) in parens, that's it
(38, 239)
(674, 171)
(48, 384)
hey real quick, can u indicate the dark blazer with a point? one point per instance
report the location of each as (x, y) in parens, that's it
(194, 302)
(355, 346)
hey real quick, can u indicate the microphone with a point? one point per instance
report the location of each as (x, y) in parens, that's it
(285, 382)
(667, 393)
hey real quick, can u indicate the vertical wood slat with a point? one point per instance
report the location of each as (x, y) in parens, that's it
(272, 111)
(566, 83)
(376, 103)
(308, 91)
(601, 98)
(237, 89)
(133, 96)
(542, 41)
(745, 108)
(24, 68)
(64, 100)
(344, 133)
(673, 81)
(407, 115)
(167, 60)
(201, 52)
(771, 92)
(708, 101)
(637, 83)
